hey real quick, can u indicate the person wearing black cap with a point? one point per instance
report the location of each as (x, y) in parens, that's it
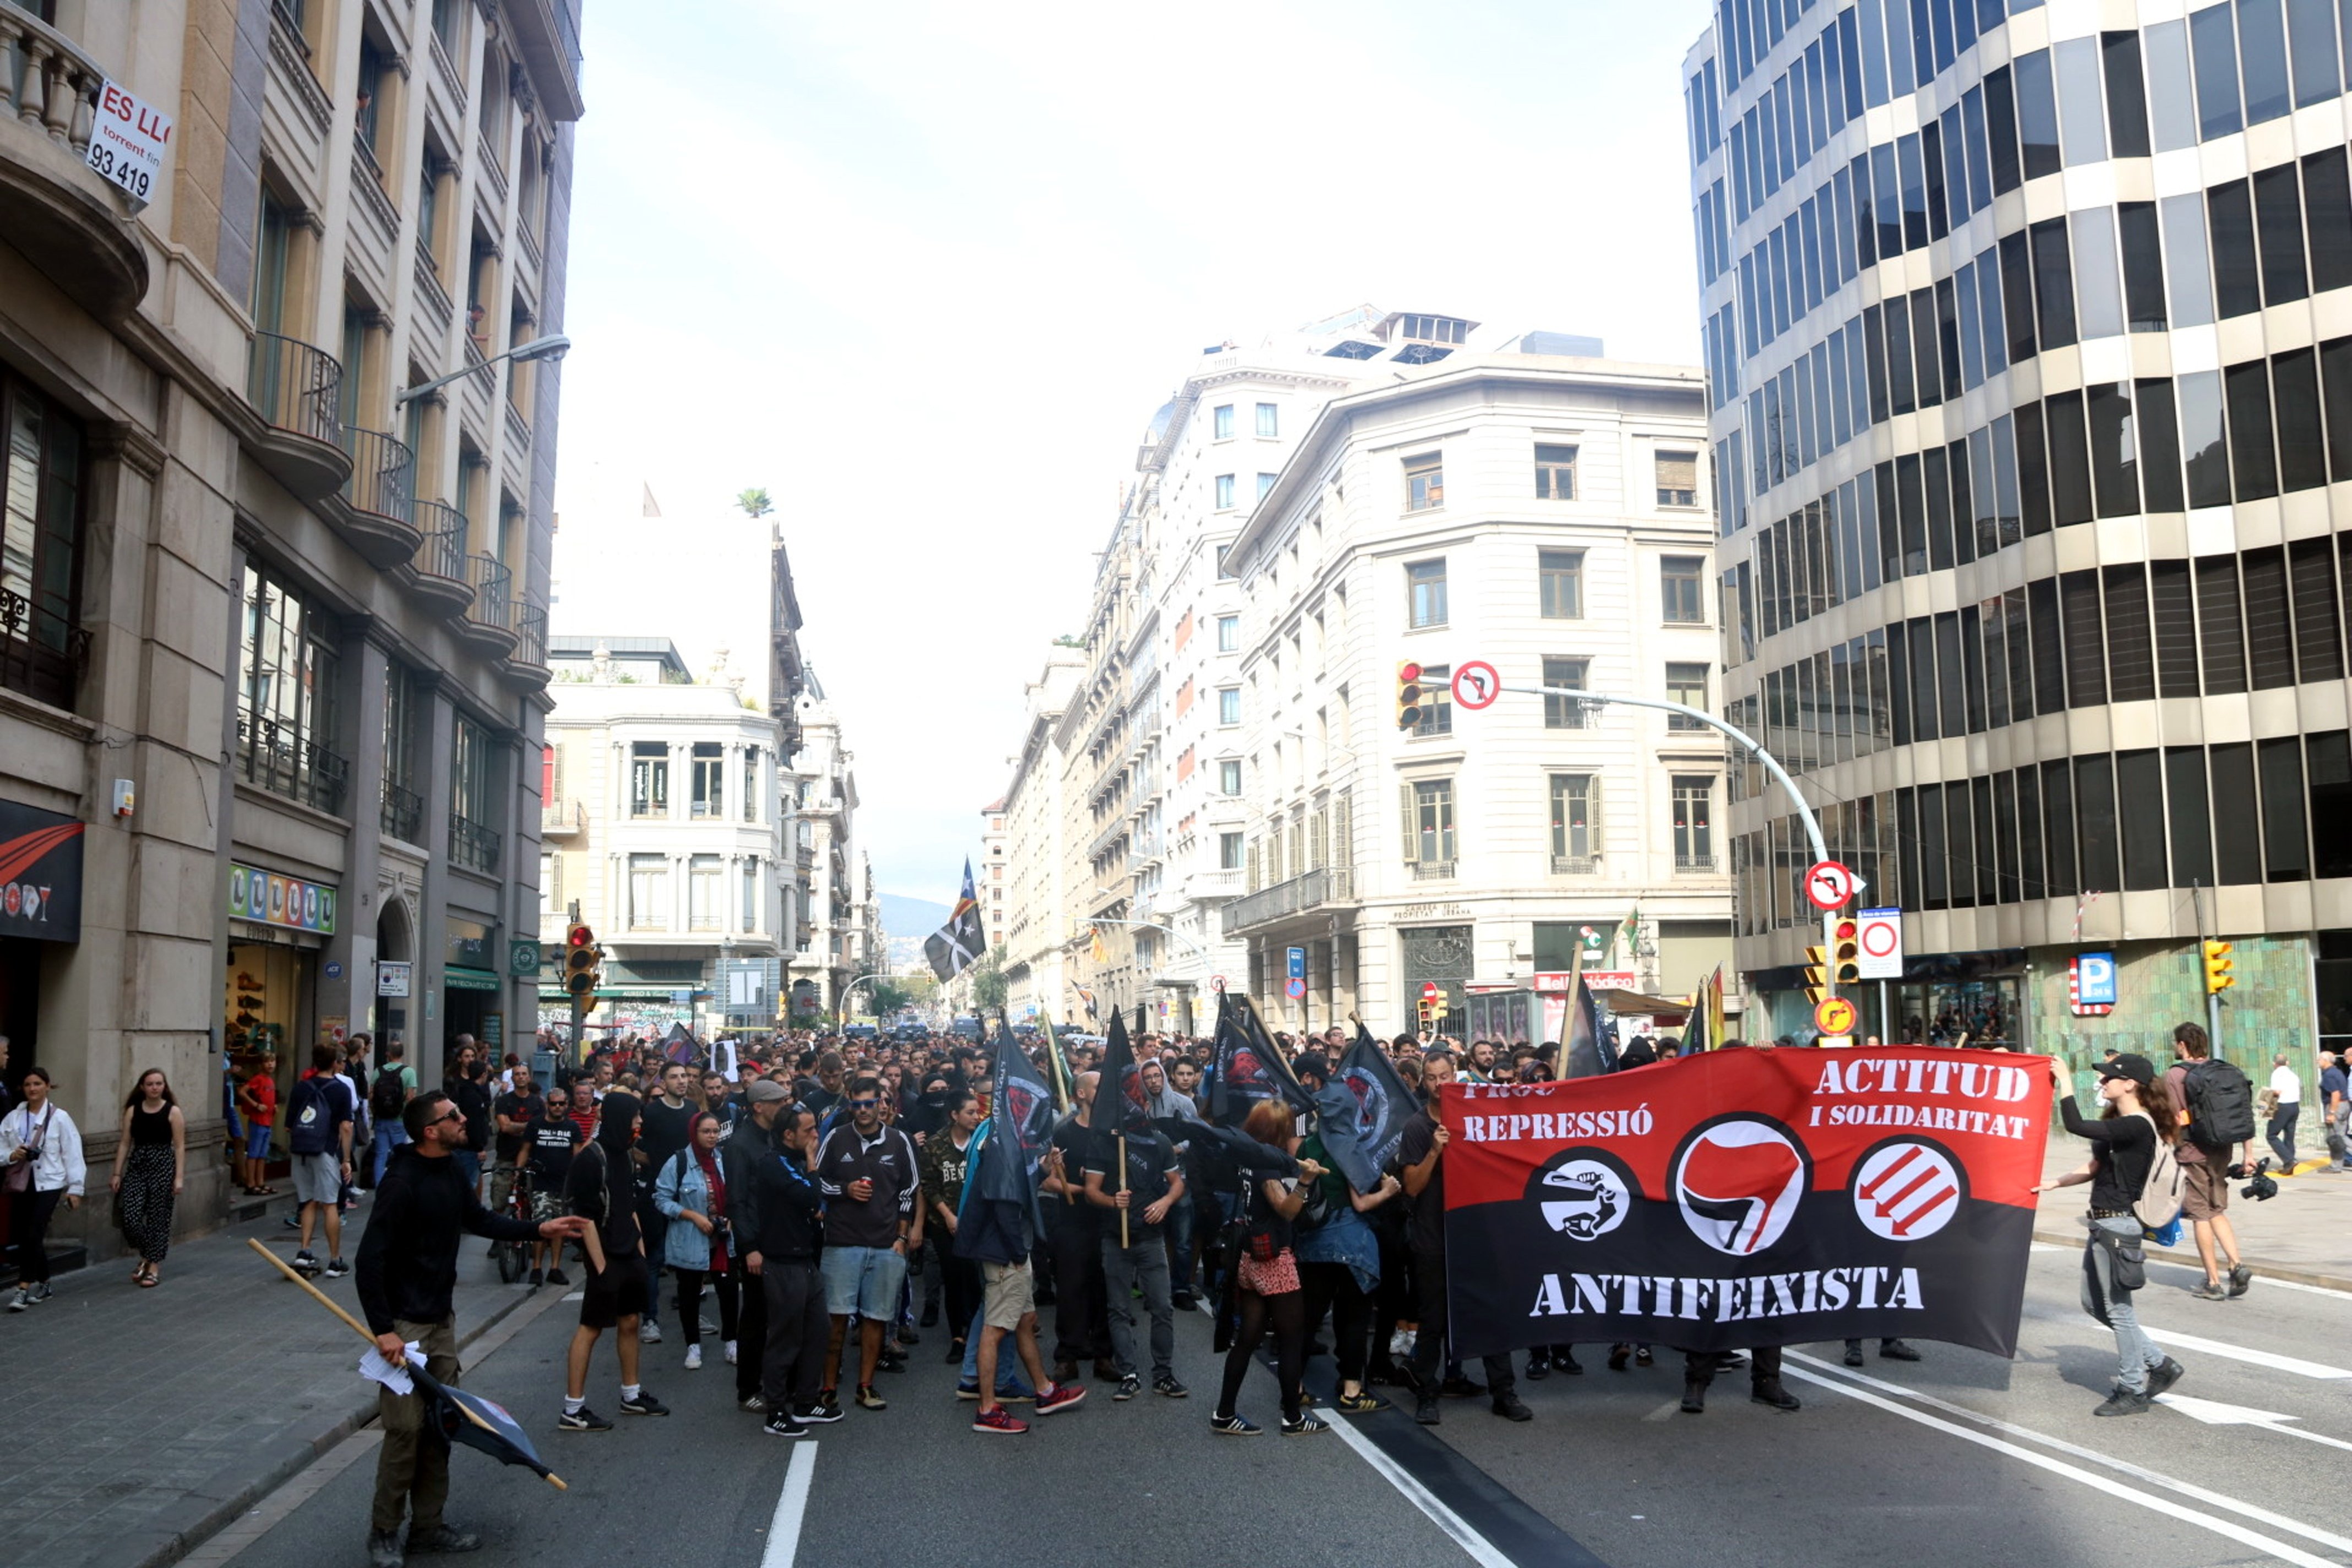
(603, 1188)
(2137, 1126)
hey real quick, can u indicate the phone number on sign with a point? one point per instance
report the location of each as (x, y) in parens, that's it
(132, 177)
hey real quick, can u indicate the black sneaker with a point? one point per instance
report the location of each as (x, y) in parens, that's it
(817, 1414)
(1235, 1426)
(538, 1277)
(1128, 1387)
(2209, 1291)
(555, 1278)
(2122, 1402)
(1307, 1425)
(645, 1404)
(1167, 1387)
(337, 1268)
(1854, 1352)
(307, 1265)
(1460, 1388)
(1769, 1392)
(1618, 1356)
(1565, 1361)
(1362, 1404)
(2241, 1279)
(1510, 1408)
(1897, 1350)
(782, 1424)
(752, 1402)
(1538, 1365)
(1425, 1410)
(582, 1420)
(931, 1314)
(443, 1538)
(2163, 1376)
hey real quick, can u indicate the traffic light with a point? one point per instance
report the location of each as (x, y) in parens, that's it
(582, 958)
(1844, 933)
(2216, 967)
(1817, 973)
(1409, 709)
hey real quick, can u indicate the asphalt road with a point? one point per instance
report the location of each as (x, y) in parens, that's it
(1963, 1459)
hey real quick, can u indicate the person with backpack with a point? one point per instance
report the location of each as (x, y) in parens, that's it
(395, 1086)
(2136, 1184)
(2217, 1126)
(319, 1136)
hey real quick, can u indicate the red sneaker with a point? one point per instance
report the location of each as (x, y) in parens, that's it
(1060, 1397)
(1001, 1421)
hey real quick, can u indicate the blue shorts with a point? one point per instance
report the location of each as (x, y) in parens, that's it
(862, 1280)
(257, 1143)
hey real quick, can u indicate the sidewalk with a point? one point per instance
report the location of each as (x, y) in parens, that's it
(142, 1421)
(2304, 1234)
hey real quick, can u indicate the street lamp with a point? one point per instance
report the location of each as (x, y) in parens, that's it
(554, 346)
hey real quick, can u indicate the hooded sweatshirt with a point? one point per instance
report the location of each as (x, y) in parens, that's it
(602, 1184)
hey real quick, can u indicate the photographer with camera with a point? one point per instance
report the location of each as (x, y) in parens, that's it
(691, 1193)
(2216, 1114)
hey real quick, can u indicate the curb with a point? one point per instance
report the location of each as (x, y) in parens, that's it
(159, 1546)
(2188, 1259)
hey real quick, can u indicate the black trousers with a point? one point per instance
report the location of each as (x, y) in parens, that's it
(1429, 1346)
(29, 1229)
(1763, 1366)
(752, 1326)
(1081, 1310)
(1331, 1287)
(792, 1366)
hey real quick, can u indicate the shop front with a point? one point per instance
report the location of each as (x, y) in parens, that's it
(277, 927)
(40, 919)
(473, 995)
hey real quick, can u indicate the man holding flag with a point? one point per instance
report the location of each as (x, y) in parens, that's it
(1133, 1175)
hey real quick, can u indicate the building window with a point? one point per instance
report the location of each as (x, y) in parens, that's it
(1425, 592)
(1424, 482)
(1555, 473)
(1220, 419)
(404, 716)
(1429, 828)
(1229, 705)
(1229, 851)
(1678, 478)
(1687, 684)
(1436, 700)
(1229, 778)
(1229, 633)
(1269, 421)
(1264, 483)
(551, 887)
(709, 781)
(1559, 583)
(1564, 712)
(650, 779)
(1694, 811)
(751, 894)
(475, 797)
(1225, 492)
(1682, 585)
(286, 686)
(1575, 821)
(703, 889)
(648, 893)
(751, 783)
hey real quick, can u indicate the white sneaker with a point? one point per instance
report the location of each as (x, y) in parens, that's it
(731, 1353)
(21, 1299)
(648, 1332)
(694, 1358)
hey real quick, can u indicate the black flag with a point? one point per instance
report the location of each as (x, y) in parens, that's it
(1120, 1086)
(489, 1428)
(957, 945)
(1248, 1067)
(1361, 1112)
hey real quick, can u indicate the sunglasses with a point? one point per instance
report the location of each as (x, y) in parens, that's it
(452, 1115)
(863, 1104)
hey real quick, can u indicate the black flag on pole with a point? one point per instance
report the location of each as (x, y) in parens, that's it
(957, 945)
(489, 1428)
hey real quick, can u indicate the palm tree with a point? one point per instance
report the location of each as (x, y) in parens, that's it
(755, 503)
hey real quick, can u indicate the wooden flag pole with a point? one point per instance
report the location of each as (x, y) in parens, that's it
(362, 1329)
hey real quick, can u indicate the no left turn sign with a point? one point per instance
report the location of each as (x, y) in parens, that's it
(1475, 685)
(1828, 884)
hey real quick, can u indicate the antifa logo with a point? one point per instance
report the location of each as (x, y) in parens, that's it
(1373, 1111)
(1248, 1071)
(1583, 1197)
(1738, 1182)
(1131, 1082)
(1026, 1111)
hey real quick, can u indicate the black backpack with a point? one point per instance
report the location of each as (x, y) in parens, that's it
(310, 1117)
(389, 1098)
(2221, 1104)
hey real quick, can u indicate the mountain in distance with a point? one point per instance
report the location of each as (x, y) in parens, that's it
(917, 917)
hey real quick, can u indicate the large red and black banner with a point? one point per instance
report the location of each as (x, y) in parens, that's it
(1747, 1198)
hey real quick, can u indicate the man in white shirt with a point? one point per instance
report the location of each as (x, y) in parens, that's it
(2286, 1108)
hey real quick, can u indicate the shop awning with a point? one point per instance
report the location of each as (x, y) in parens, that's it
(457, 977)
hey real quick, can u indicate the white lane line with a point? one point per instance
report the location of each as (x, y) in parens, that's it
(784, 1529)
(1480, 1550)
(2270, 1359)
(1837, 1380)
(2159, 1260)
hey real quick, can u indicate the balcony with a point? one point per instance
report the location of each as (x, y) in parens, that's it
(378, 516)
(440, 559)
(1574, 865)
(563, 818)
(273, 756)
(489, 622)
(294, 387)
(1331, 885)
(1432, 870)
(42, 654)
(66, 219)
(401, 814)
(473, 845)
(527, 663)
(1694, 865)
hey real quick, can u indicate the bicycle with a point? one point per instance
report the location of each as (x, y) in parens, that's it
(514, 1257)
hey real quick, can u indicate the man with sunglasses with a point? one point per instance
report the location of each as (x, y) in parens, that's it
(866, 1170)
(407, 1270)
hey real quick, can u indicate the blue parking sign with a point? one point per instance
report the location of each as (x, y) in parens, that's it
(2094, 976)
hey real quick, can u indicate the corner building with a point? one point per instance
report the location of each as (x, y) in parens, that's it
(2028, 339)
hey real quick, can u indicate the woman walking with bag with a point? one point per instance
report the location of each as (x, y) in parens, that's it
(150, 1164)
(40, 1148)
(1266, 1288)
(2132, 1141)
(692, 1193)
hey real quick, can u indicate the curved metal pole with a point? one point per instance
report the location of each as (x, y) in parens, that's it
(841, 1013)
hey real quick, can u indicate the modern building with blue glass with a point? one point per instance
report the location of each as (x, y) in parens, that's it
(2028, 336)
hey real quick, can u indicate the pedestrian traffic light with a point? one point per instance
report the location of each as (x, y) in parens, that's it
(581, 960)
(1844, 933)
(1409, 709)
(1817, 973)
(2216, 967)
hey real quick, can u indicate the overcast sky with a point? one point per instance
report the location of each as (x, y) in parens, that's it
(924, 270)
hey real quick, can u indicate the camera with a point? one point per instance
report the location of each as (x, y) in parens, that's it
(2259, 1184)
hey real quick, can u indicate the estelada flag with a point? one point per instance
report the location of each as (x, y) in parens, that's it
(957, 945)
(1747, 1198)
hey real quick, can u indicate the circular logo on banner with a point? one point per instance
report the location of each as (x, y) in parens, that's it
(1582, 1198)
(1738, 1182)
(1906, 1191)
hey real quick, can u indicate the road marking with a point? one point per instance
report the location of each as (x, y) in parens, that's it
(2270, 1359)
(2157, 1480)
(2213, 1412)
(2159, 1260)
(784, 1529)
(1480, 1550)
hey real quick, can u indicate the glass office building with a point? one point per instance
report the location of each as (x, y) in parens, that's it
(2029, 337)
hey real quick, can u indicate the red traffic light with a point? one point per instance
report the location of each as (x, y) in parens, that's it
(579, 936)
(1846, 931)
(1408, 671)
